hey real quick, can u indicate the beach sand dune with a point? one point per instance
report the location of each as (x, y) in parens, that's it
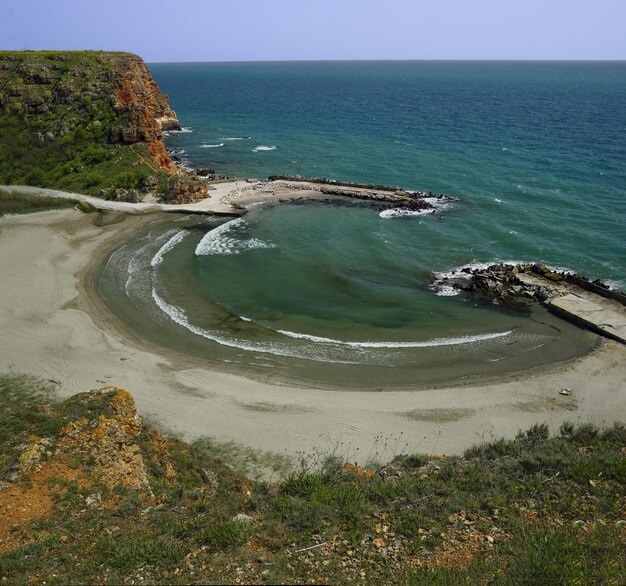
(53, 327)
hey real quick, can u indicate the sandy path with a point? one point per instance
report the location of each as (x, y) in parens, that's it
(214, 204)
(50, 328)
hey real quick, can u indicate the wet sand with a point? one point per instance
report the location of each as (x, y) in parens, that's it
(53, 327)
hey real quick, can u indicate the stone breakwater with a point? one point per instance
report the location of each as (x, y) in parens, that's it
(336, 182)
(383, 194)
(591, 304)
(507, 280)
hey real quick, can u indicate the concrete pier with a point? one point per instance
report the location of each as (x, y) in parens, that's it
(583, 307)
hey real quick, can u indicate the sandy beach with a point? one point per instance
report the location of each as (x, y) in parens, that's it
(54, 328)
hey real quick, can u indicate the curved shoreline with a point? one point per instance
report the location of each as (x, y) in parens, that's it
(194, 357)
(52, 329)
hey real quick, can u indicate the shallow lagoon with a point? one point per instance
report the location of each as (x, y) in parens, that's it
(322, 295)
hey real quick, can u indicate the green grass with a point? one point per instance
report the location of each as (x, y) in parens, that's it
(66, 145)
(16, 202)
(537, 509)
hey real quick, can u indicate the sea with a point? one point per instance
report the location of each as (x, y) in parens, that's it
(534, 154)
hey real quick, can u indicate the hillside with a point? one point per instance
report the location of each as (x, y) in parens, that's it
(85, 121)
(91, 494)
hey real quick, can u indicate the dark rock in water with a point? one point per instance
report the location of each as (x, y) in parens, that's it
(502, 282)
(205, 172)
(511, 284)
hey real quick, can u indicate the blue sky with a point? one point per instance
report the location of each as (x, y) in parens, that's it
(251, 30)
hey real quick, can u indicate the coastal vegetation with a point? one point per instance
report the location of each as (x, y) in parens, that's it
(17, 202)
(66, 123)
(537, 508)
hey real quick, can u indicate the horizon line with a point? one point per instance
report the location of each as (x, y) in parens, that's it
(392, 60)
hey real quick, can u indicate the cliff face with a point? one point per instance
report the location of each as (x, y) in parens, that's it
(142, 107)
(55, 105)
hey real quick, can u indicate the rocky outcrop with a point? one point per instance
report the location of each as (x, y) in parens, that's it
(502, 281)
(110, 443)
(533, 280)
(185, 188)
(128, 195)
(106, 444)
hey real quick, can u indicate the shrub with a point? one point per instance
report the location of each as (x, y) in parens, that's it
(223, 536)
(36, 177)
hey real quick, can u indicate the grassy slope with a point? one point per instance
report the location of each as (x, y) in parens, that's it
(16, 202)
(78, 157)
(536, 510)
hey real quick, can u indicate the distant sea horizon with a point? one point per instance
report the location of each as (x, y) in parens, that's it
(393, 60)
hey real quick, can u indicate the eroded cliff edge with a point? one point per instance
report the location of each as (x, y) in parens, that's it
(87, 121)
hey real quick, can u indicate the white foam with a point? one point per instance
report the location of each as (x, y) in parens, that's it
(425, 344)
(137, 261)
(157, 259)
(439, 203)
(446, 291)
(404, 213)
(177, 315)
(211, 146)
(237, 138)
(263, 148)
(222, 240)
(498, 200)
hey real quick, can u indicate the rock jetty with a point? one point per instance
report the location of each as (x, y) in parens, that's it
(398, 197)
(590, 304)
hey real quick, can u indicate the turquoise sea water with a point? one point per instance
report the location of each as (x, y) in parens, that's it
(535, 152)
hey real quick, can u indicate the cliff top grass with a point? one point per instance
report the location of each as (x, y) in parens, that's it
(60, 57)
(56, 112)
(538, 509)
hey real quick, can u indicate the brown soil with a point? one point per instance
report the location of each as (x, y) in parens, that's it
(31, 499)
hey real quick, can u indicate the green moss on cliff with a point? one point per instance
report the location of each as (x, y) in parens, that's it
(56, 113)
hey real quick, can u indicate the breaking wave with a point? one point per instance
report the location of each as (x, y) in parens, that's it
(157, 259)
(178, 316)
(404, 213)
(425, 344)
(224, 240)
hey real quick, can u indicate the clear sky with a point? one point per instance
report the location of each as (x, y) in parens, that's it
(264, 30)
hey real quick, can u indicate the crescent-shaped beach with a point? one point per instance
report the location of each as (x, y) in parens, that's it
(55, 327)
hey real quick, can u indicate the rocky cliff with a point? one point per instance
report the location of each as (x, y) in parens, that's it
(143, 109)
(90, 121)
